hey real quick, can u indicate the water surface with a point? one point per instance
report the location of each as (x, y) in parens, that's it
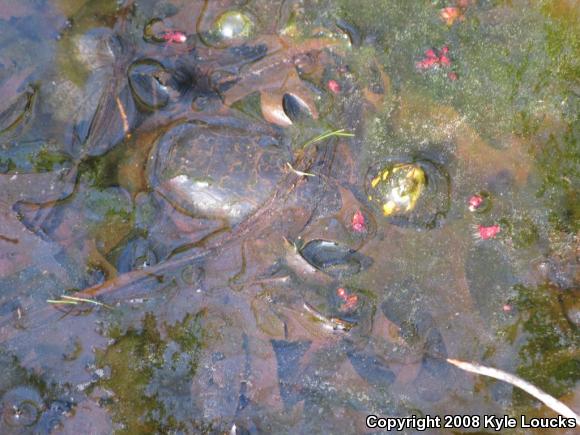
(174, 165)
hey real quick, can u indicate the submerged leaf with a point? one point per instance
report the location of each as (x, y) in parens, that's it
(334, 259)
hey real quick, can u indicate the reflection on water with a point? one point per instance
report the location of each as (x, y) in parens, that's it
(238, 217)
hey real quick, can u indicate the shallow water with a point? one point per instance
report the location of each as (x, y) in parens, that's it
(166, 164)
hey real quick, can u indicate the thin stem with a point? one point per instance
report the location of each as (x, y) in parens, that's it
(90, 301)
(339, 133)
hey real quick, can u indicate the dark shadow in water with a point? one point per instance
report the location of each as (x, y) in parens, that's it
(288, 356)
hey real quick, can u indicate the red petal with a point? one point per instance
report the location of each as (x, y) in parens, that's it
(444, 60)
(358, 222)
(488, 232)
(334, 86)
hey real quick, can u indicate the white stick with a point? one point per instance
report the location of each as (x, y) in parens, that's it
(548, 400)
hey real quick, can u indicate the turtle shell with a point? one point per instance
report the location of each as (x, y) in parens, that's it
(409, 191)
(221, 171)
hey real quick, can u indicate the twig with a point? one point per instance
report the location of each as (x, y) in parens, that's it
(548, 400)
(123, 117)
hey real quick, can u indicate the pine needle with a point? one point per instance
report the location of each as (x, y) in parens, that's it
(549, 401)
(90, 301)
(339, 133)
(53, 301)
(73, 300)
(297, 172)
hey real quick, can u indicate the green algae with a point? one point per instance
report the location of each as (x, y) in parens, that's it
(141, 362)
(83, 16)
(549, 356)
(34, 157)
(132, 359)
(6, 165)
(189, 336)
(47, 161)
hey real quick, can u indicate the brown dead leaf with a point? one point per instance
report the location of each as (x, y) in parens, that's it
(20, 247)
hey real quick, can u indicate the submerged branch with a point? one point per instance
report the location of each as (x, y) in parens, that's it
(548, 400)
(330, 323)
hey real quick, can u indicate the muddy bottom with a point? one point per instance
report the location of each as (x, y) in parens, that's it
(284, 216)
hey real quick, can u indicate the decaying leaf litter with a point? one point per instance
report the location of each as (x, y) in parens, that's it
(247, 259)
